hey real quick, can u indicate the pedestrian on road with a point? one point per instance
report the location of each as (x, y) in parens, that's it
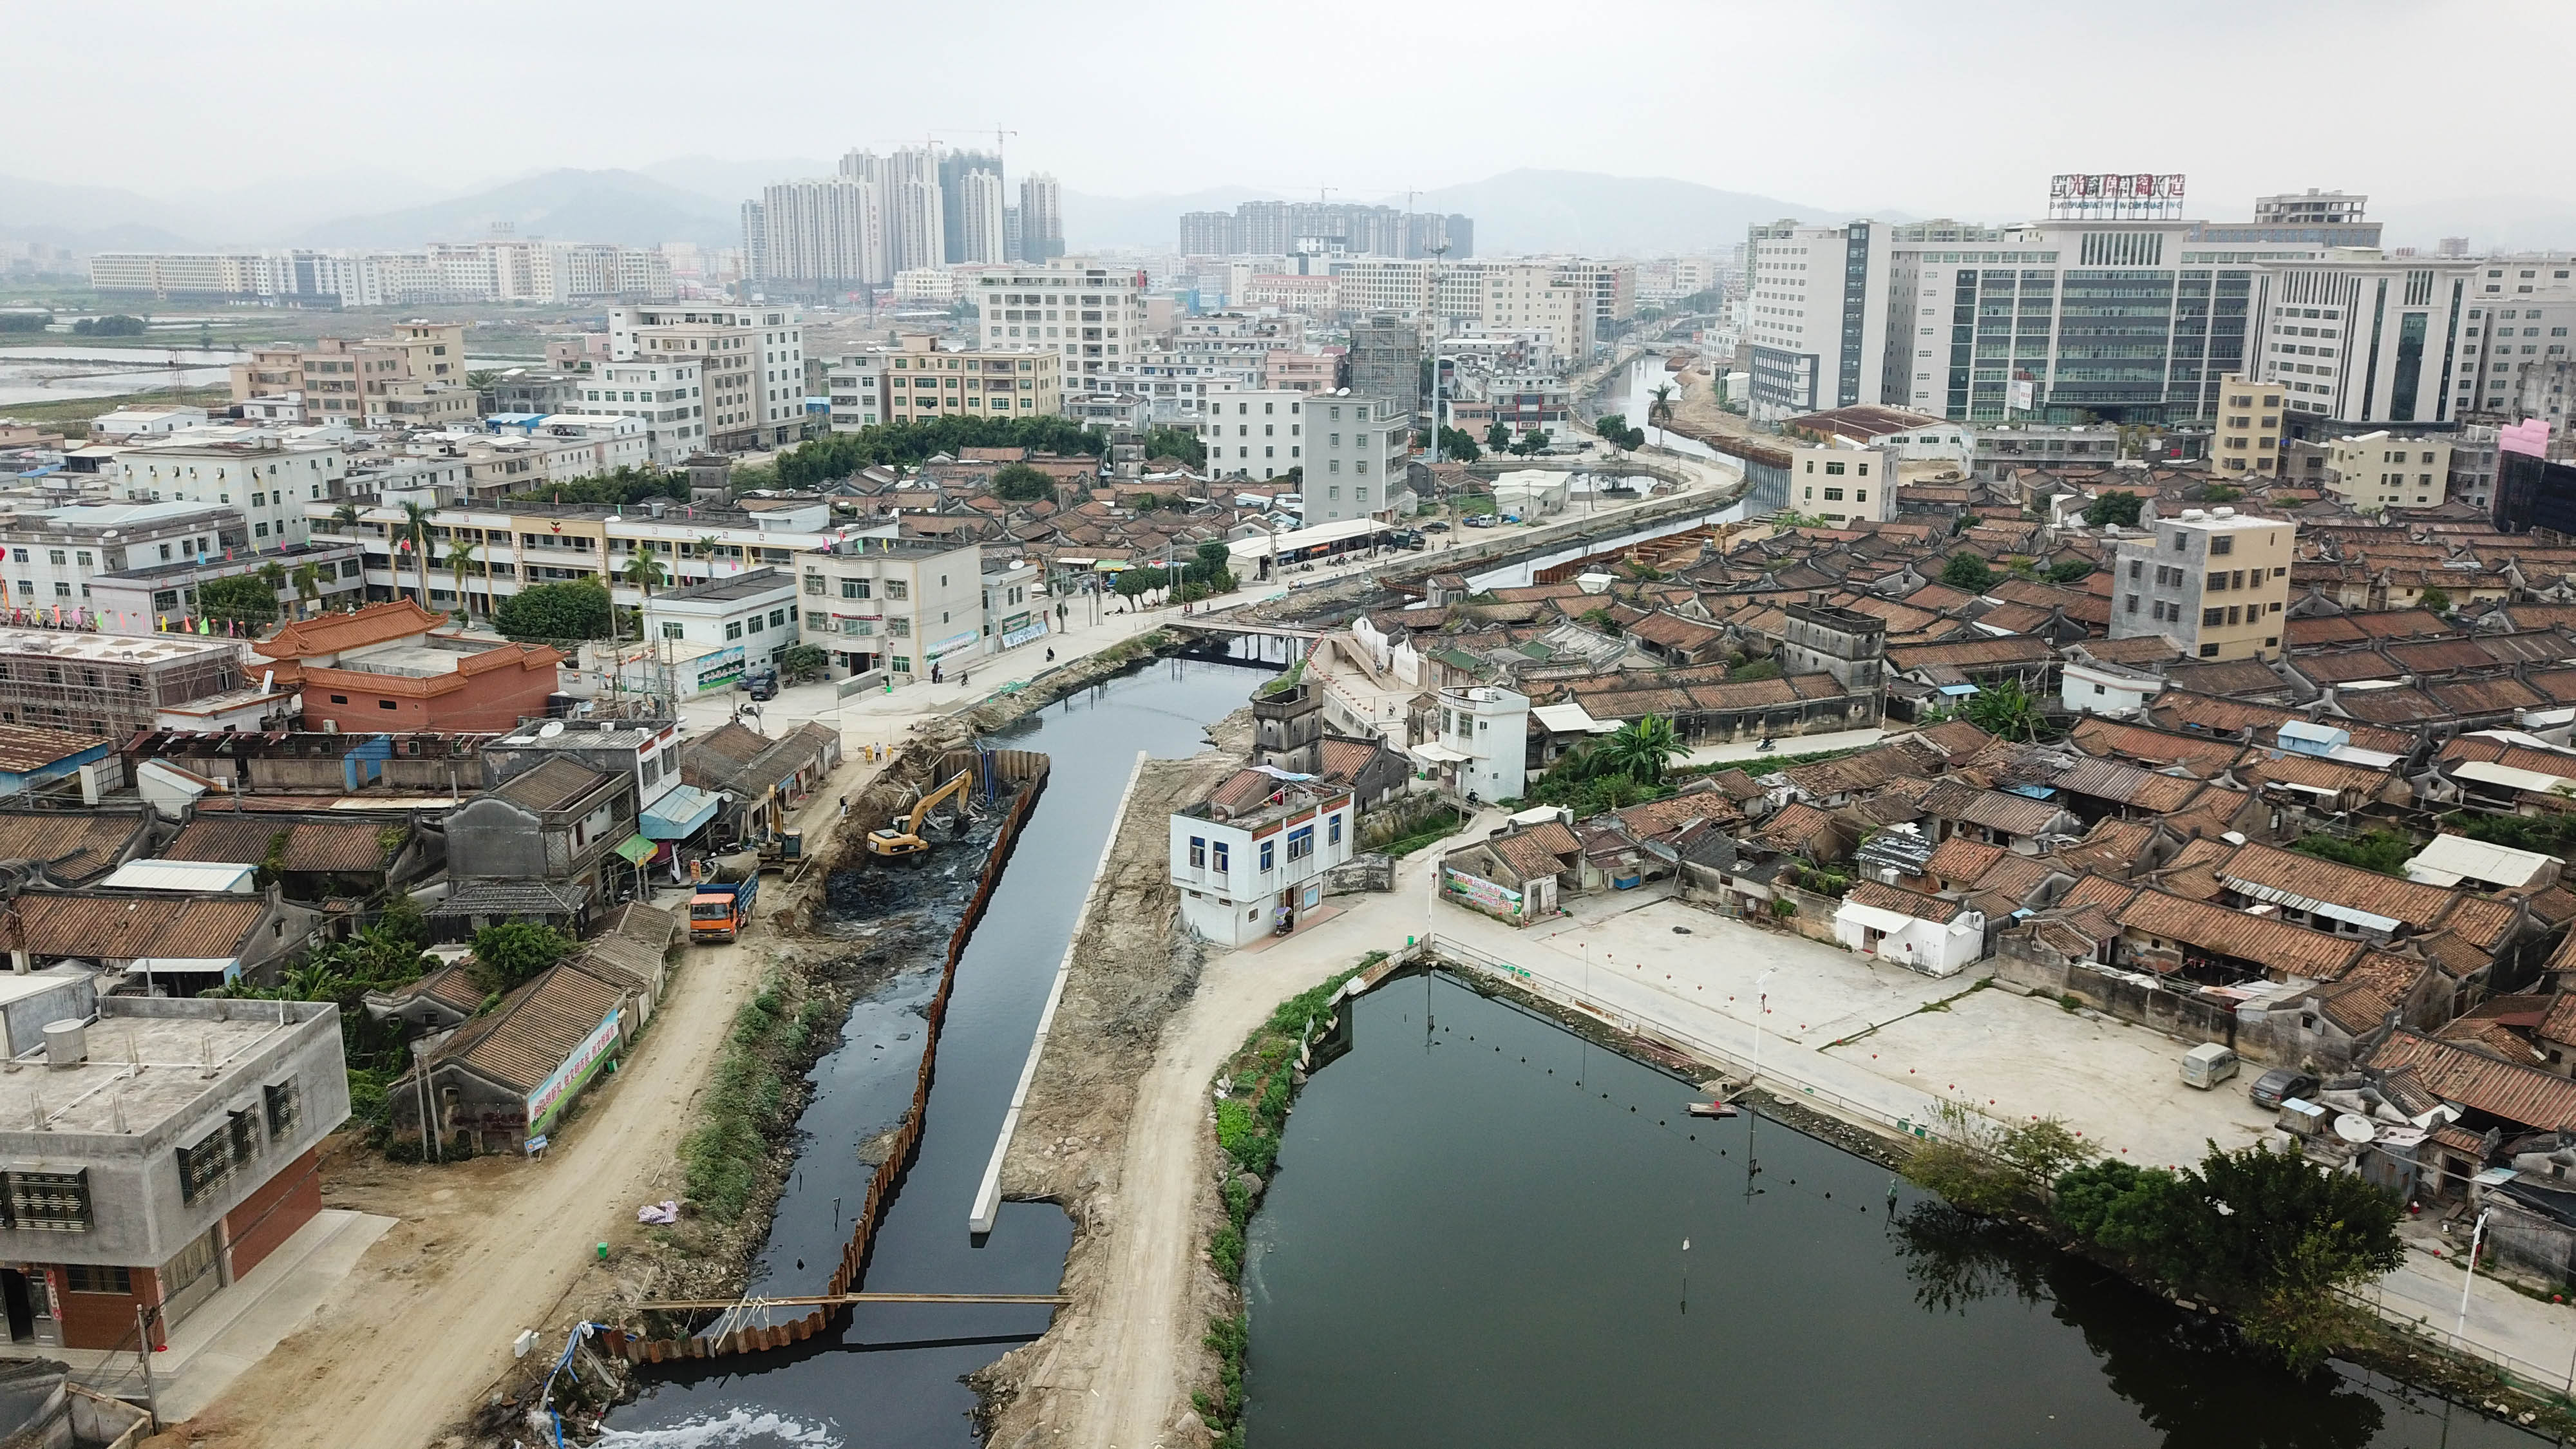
(934, 673)
(845, 807)
(1050, 656)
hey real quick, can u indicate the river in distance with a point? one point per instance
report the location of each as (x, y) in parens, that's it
(1476, 1236)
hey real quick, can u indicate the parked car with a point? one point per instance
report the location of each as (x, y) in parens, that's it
(2207, 1065)
(1435, 526)
(1478, 520)
(2280, 1084)
(762, 686)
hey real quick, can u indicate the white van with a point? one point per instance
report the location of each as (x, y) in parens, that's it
(2207, 1065)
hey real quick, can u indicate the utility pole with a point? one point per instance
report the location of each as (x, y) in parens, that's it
(143, 1352)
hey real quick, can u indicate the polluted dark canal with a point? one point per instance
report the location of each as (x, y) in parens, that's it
(1472, 1238)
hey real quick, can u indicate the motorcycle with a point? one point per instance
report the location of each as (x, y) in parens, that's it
(1763, 747)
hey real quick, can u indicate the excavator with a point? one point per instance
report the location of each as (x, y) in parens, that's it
(903, 838)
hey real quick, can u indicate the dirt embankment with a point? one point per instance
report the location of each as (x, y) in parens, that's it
(1133, 967)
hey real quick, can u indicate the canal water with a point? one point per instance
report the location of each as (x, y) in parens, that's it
(1476, 1237)
(889, 1374)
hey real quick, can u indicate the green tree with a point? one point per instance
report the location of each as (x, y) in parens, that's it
(244, 599)
(1136, 582)
(803, 661)
(308, 588)
(1659, 412)
(571, 610)
(1967, 571)
(2221, 493)
(2435, 599)
(25, 321)
(2006, 711)
(1020, 483)
(460, 571)
(2120, 508)
(2071, 571)
(273, 574)
(2385, 851)
(1459, 445)
(1529, 444)
(515, 952)
(1170, 442)
(415, 529)
(115, 324)
(644, 570)
(1642, 749)
(1498, 436)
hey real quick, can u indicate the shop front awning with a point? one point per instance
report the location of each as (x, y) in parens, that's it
(681, 813)
(637, 850)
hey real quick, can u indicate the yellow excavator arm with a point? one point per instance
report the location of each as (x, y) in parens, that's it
(904, 837)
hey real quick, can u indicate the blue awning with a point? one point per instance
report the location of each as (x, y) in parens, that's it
(681, 813)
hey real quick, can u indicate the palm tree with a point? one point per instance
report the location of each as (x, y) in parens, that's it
(415, 526)
(308, 588)
(644, 570)
(347, 516)
(1660, 411)
(1643, 748)
(708, 543)
(460, 567)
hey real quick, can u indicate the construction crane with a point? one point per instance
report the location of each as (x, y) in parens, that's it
(903, 838)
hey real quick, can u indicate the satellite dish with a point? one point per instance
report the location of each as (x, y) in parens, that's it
(2353, 1129)
(550, 729)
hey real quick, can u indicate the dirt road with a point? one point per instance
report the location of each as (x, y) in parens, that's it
(1115, 1370)
(421, 1331)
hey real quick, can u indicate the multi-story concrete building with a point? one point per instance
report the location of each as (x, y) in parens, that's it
(159, 1150)
(911, 204)
(412, 379)
(754, 611)
(914, 380)
(147, 598)
(2247, 438)
(1385, 359)
(55, 556)
(667, 394)
(2354, 337)
(1243, 872)
(112, 684)
(2213, 581)
(979, 234)
(1356, 449)
(2376, 471)
(499, 269)
(751, 362)
(1842, 483)
(517, 544)
(1845, 643)
(901, 605)
(1041, 218)
(2515, 359)
(1819, 319)
(826, 234)
(1093, 317)
(1257, 433)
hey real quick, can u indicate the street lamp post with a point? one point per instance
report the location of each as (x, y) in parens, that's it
(1761, 1007)
(2460, 1330)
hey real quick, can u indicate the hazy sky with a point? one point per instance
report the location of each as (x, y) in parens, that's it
(1959, 108)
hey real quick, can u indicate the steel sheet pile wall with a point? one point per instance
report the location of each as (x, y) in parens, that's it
(1028, 769)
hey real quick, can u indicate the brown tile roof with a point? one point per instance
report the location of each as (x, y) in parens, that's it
(76, 846)
(1971, 653)
(2559, 1023)
(1530, 857)
(124, 927)
(335, 633)
(1902, 901)
(536, 1028)
(2262, 767)
(1955, 738)
(2277, 945)
(348, 846)
(551, 786)
(2199, 755)
(1794, 827)
(2114, 845)
(2305, 879)
(2177, 708)
(26, 748)
(1958, 861)
(2523, 1095)
(1993, 809)
(2233, 678)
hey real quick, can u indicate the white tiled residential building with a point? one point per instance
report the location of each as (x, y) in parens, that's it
(667, 396)
(751, 361)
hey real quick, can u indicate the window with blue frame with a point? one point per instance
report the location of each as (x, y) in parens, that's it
(1265, 853)
(1301, 842)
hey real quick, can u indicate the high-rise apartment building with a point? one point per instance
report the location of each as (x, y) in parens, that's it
(979, 236)
(751, 360)
(1092, 317)
(1041, 218)
(953, 168)
(909, 202)
(825, 233)
(1819, 316)
(1284, 228)
(2213, 581)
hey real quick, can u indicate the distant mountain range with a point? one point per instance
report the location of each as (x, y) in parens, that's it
(699, 198)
